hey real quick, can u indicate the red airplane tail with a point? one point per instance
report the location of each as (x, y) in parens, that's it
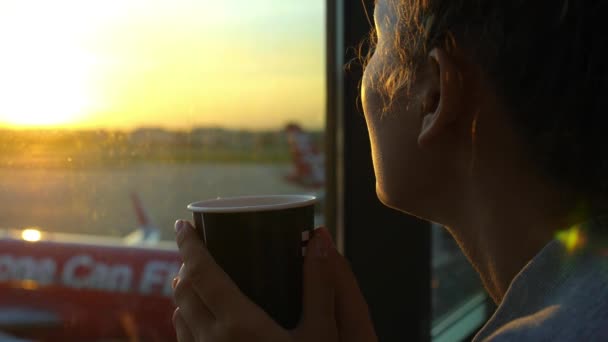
(142, 216)
(145, 233)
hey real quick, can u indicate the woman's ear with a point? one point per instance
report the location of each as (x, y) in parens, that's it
(442, 97)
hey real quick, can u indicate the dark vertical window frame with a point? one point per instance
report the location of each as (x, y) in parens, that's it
(389, 251)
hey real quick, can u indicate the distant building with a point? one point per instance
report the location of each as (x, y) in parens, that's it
(152, 136)
(209, 137)
(222, 138)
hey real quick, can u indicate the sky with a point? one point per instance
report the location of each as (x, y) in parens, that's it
(122, 64)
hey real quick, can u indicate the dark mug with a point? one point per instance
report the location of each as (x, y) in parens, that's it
(260, 242)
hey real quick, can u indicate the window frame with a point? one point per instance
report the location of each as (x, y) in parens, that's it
(369, 234)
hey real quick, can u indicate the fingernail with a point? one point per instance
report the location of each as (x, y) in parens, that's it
(321, 243)
(179, 225)
(174, 282)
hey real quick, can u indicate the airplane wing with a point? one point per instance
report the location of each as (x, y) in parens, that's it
(9, 338)
(21, 319)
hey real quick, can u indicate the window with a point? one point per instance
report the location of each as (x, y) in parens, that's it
(458, 298)
(116, 114)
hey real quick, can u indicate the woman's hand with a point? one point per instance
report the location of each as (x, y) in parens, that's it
(211, 308)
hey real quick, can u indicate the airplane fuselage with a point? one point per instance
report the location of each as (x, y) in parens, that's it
(86, 289)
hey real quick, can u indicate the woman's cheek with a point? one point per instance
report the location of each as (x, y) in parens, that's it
(372, 110)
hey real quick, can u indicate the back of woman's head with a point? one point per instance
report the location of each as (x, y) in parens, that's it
(548, 61)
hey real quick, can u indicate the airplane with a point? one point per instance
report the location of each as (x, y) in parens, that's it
(308, 162)
(68, 287)
(308, 166)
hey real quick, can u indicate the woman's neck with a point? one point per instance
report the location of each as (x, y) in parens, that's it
(505, 223)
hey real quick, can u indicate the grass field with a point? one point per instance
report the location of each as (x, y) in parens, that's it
(67, 150)
(97, 201)
(69, 157)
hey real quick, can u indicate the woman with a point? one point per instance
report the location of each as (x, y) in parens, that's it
(486, 116)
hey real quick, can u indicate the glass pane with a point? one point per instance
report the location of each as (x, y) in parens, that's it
(114, 115)
(458, 297)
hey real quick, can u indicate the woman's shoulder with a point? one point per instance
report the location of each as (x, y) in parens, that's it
(581, 317)
(556, 323)
(561, 295)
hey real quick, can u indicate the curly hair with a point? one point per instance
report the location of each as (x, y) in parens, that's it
(548, 61)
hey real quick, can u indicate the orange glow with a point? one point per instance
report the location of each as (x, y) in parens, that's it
(28, 284)
(31, 235)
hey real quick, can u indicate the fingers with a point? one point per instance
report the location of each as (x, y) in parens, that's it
(332, 296)
(212, 285)
(181, 327)
(318, 289)
(192, 309)
(352, 313)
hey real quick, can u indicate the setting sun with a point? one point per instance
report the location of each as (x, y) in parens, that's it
(46, 72)
(44, 93)
(123, 64)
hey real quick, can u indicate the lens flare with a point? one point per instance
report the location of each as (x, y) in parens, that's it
(572, 238)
